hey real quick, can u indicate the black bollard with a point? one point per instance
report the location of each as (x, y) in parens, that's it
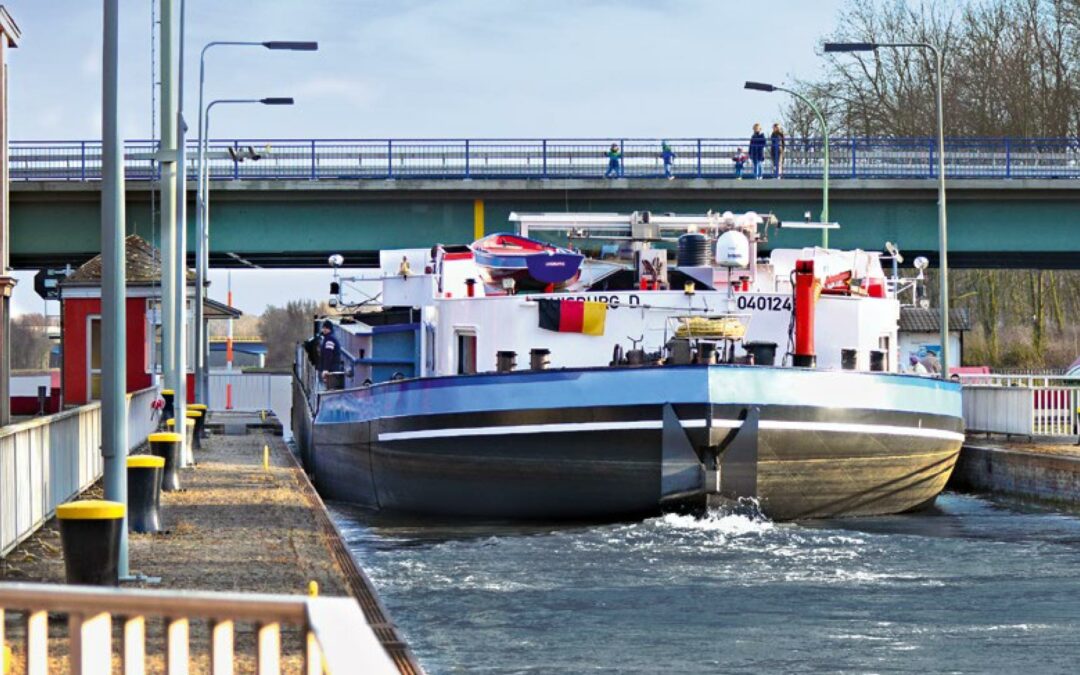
(168, 410)
(168, 446)
(144, 492)
(196, 416)
(200, 422)
(90, 538)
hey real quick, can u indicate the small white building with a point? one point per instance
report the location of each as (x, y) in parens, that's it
(920, 334)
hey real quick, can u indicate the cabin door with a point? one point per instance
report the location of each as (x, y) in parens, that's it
(93, 358)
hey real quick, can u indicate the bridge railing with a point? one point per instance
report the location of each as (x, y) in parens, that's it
(457, 159)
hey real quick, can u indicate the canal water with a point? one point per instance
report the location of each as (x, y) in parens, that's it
(972, 586)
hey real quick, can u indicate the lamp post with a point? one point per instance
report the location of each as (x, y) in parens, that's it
(202, 346)
(761, 86)
(202, 235)
(943, 244)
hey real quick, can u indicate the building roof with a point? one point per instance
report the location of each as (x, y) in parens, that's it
(919, 320)
(142, 263)
(212, 309)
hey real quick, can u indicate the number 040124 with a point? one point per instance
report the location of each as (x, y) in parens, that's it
(764, 303)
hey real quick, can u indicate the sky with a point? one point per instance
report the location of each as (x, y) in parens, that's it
(422, 69)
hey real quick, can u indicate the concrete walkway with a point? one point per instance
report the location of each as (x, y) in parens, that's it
(233, 527)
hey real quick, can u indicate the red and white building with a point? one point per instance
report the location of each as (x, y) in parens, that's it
(80, 310)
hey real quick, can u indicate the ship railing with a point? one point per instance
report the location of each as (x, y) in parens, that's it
(308, 377)
(509, 158)
(1031, 380)
(156, 628)
(1022, 405)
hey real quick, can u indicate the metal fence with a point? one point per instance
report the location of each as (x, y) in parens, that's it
(250, 391)
(335, 636)
(253, 392)
(47, 461)
(381, 159)
(1022, 405)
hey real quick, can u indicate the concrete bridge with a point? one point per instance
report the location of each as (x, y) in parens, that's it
(305, 199)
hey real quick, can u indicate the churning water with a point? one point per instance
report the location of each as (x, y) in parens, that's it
(971, 586)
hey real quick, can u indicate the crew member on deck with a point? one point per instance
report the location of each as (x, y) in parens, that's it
(329, 351)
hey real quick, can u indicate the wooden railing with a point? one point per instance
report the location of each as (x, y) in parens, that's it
(335, 636)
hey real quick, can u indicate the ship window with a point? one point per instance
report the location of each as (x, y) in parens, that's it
(466, 352)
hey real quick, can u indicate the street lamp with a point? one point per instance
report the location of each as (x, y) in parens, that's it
(202, 258)
(943, 243)
(761, 86)
(204, 227)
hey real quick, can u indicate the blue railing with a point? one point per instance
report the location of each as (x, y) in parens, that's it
(487, 158)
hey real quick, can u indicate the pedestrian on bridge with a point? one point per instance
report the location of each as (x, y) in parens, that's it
(757, 150)
(776, 149)
(668, 156)
(614, 164)
(738, 159)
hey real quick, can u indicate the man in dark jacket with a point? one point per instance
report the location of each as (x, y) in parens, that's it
(329, 351)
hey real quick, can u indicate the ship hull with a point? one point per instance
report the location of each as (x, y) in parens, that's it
(610, 443)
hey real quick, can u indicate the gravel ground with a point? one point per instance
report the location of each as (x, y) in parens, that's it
(234, 527)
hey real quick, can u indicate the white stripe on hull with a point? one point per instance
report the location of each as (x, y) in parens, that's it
(778, 425)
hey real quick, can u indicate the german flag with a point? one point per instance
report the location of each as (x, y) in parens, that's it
(573, 316)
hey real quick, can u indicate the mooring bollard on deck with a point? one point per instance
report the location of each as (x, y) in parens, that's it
(144, 493)
(169, 410)
(90, 538)
(200, 422)
(187, 458)
(196, 439)
(167, 445)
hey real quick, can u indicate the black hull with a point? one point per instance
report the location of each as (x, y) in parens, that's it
(613, 473)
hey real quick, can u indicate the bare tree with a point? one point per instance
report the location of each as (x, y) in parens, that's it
(282, 327)
(1010, 68)
(30, 344)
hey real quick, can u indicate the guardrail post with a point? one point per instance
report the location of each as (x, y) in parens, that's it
(854, 145)
(236, 165)
(932, 145)
(314, 176)
(699, 158)
(1008, 158)
(466, 158)
(544, 150)
(82, 152)
(389, 158)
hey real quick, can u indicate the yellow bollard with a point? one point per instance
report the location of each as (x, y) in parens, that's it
(266, 458)
(262, 415)
(313, 589)
(5, 658)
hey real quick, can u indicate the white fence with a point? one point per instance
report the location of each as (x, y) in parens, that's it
(252, 392)
(337, 637)
(47, 461)
(1022, 405)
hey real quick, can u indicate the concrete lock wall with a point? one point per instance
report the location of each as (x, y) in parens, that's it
(1022, 474)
